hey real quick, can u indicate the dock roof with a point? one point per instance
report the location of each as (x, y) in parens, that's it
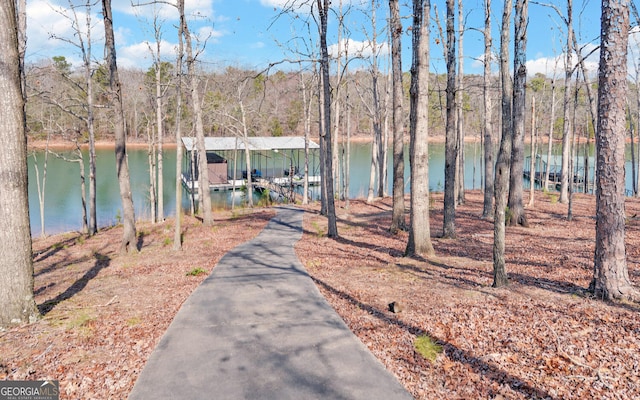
(255, 143)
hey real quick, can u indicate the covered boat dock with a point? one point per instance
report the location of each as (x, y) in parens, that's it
(276, 163)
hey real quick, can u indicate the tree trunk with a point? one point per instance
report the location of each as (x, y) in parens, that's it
(503, 164)
(419, 242)
(532, 160)
(247, 156)
(83, 190)
(159, 135)
(177, 232)
(516, 187)
(610, 275)
(376, 148)
(16, 266)
(151, 159)
(566, 142)
(551, 124)
(42, 183)
(93, 224)
(128, 217)
(487, 210)
(203, 172)
(459, 109)
(451, 142)
(574, 123)
(327, 179)
(634, 182)
(21, 13)
(306, 104)
(397, 218)
(336, 97)
(384, 148)
(347, 145)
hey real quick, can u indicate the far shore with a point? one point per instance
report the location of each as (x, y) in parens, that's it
(109, 144)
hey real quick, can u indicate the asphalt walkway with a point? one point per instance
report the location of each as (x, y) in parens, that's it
(258, 328)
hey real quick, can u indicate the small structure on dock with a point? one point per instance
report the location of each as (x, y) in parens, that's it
(276, 164)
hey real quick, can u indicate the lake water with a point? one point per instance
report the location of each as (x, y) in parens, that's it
(62, 192)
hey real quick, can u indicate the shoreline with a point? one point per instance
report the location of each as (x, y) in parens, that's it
(106, 144)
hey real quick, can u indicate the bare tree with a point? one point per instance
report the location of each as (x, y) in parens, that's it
(204, 195)
(325, 135)
(41, 182)
(83, 105)
(16, 266)
(419, 242)
(86, 58)
(566, 134)
(122, 167)
(551, 125)
(451, 142)
(460, 89)
(532, 159)
(306, 105)
(503, 163)
(516, 187)
(487, 210)
(378, 150)
(160, 92)
(177, 232)
(610, 274)
(397, 219)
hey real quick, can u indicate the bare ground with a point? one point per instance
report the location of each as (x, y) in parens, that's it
(541, 337)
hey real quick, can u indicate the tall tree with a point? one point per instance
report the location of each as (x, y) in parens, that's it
(204, 195)
(551, 124)
(566, 127)
(516, 187)
(177, 232)
(16, 266)
(610, 274)
(460, 89)
(419, 242)
(122, 167)
(451, 142)
(82, 105)
(325, 139)
(487, 210)
(503, 163)
(160, 91)
(397, 219)
(88, 72)
(532, 159)
(378, 149)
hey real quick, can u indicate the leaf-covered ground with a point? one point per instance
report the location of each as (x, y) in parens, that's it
(103, 312)
(541, 337)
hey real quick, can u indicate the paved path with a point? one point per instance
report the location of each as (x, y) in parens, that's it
(258, 328)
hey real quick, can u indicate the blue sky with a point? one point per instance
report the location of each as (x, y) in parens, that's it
(252, 33)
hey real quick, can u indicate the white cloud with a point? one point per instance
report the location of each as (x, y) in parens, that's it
(355, 48)
(556, 65)
(297, 4)
(51, 29)
(209, 34)
(135, 55)
(199, 8)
